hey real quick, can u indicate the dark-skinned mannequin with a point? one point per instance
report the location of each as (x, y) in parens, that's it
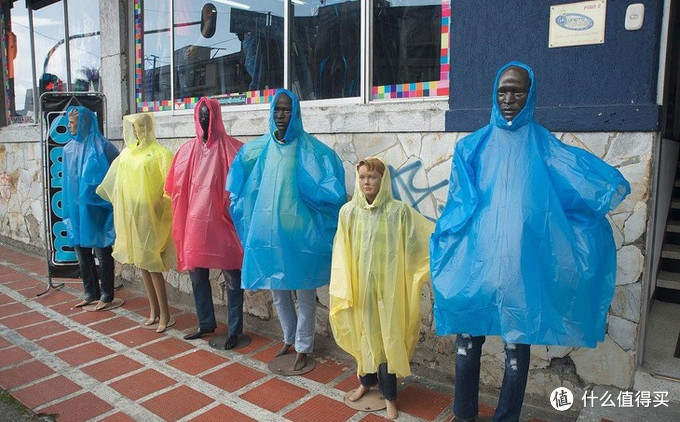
(197, 253)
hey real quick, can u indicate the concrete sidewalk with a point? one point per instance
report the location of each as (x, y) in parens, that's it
(104, 367)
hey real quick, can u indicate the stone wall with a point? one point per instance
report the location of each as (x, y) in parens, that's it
(421, 164)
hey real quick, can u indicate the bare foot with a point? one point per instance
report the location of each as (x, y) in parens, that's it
(162, 325)
(283, 350)
(359, 393)
(232, 341)
(300, 361)
(391, 409)
(151, 321)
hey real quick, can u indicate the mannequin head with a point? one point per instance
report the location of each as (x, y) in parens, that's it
(513, 91)
(370, 171)
(73, 122)
(204, 120)
(282, 112)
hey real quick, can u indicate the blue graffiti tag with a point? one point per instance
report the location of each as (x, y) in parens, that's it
(402, 182)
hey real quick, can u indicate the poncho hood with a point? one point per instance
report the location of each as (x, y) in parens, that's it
(87, 123)
(525, 115)
(139, 130)
(216, 130)
(295, 128)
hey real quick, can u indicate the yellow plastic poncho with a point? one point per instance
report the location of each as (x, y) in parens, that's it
(380, 263)
(142, 215)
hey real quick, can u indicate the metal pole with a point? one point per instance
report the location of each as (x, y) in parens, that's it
(35, 82)
(68, 48)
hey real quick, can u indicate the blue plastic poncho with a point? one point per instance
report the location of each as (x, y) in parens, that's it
(380, 264)
(285, 199)
(135, 186)
(523, 249)
(87, 157)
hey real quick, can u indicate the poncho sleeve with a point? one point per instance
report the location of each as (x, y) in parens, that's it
(583, 182)
(107, 187)
(238, 175)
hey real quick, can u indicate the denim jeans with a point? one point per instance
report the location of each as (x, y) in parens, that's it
(298, 328)
(387, 383)
(205, 311)
(466, 397)
(92, 276)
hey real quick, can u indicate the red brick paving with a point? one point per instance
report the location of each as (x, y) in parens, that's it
(164, 349)
(118, 417)
(142, 384)
(197, 362)
(4, 299)
(86, 318)
(138, 302)
(45, 391)
(255, 343)
(349, 383)
(63, 341)
(222, 413)
(67, 308)
(85, 353)
(23, 374)
(41, 330)
(114, 325)
(18, 321)
(55, 297)
(137, 337)
(13, 355)
(321, 408)
(4, 343)
(111, 368)
(422, 402)
(184, 321)
(268, 354)
(274, 395)
(79, 408)
(374, 417)
(233, 377)
(12, 309)
(326, 371)
(177, 403)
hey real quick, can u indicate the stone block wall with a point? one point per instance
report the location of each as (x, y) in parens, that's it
(421, 163)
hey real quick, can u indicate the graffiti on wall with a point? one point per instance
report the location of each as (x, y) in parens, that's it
(405, 189)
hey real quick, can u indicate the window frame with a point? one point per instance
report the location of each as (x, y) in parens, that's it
(366, 88)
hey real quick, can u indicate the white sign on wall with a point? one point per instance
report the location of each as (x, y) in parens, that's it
(581, 23)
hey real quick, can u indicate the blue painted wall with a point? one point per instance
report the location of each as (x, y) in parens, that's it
(604, 87)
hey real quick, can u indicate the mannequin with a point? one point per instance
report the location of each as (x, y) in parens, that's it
(202, 227)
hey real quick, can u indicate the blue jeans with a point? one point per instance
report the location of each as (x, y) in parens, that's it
(298, 328)
(200, 282)
(387, 383)
(466, 397)
(93, 276)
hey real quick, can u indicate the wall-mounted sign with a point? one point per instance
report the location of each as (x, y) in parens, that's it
(581, 23)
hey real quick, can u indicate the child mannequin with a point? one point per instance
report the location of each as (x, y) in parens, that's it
(380, 263)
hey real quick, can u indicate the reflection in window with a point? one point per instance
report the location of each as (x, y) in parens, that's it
(50, 52)
(410, 48)
(18, 53)
(84, 44)
(152, 45)
(325, 49)
(227, 49)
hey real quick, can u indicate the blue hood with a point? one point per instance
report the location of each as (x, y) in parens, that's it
(295, 126)
(525, 115)
(87, 123)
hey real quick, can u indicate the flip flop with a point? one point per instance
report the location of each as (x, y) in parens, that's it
(83, 303)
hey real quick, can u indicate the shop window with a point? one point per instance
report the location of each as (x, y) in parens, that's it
(325, 49)
(84, 44)
(152, 59)
(233, 50)
(17, 65)
(50, 54)
(410, 54)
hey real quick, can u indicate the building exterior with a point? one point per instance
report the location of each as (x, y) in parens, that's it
(402, 80)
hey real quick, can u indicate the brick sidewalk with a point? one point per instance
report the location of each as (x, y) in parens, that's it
(104, 367)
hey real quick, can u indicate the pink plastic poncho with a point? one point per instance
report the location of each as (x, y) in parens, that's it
(202, 228)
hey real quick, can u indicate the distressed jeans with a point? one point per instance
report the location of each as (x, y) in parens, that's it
(298, 328)
(466, 397)
(93, 276)
(205, 311)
